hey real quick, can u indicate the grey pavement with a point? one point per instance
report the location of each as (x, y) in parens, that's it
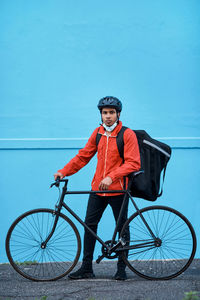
(103, 287)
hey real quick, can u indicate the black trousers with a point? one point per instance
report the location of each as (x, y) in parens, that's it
(96, 206)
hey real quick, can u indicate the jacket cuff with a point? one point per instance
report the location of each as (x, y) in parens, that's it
(112, 177)
(61, 171)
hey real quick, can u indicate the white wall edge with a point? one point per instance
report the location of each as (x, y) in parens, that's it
(79, 142)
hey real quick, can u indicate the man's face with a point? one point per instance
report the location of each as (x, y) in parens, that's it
(109, 116)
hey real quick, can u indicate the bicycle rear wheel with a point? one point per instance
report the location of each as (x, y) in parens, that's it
(24, 240)
(175, 247)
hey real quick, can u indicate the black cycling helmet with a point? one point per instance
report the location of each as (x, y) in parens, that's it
(110, 101)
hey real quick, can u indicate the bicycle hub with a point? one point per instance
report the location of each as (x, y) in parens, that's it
(43, 245)
(158, 242)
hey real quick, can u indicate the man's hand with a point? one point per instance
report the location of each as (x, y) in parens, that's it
(58, 174)
(105, 183)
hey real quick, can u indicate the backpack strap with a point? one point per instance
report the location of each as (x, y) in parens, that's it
(120, 146)
(98, 137)
(120, 141)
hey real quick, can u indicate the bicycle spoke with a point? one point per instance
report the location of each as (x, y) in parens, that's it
(24, 242)
(175, 251)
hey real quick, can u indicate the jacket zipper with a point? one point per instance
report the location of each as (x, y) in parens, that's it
(105, 159)
(106, 154)
(107, 136)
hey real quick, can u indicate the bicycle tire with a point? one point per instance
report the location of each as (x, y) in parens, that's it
(23, 245)
(177, 249)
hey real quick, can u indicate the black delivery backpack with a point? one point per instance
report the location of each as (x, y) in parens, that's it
(154, 157)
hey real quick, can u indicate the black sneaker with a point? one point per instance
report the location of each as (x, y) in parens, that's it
(120, 275)
(82, 274)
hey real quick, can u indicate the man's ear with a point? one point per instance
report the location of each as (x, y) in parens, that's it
(118, 114)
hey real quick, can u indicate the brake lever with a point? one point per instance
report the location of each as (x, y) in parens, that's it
(52, 185)
(56, 183)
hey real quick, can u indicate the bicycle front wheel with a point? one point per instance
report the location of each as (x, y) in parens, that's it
(171, 253)
(24, 245)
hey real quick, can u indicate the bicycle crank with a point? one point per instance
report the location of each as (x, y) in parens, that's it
(106, 251)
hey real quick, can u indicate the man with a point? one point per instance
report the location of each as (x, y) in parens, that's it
(110, 172)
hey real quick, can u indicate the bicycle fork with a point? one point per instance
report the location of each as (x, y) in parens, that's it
(44, 244)
(56, 213)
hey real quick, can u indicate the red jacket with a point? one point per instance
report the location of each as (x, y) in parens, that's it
(109, 162)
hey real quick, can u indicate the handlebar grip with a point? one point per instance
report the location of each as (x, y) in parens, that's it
(57, 181)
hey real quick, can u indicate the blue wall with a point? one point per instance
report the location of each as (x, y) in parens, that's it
(57, 58)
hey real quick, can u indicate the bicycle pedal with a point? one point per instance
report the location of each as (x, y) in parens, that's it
(99, 259)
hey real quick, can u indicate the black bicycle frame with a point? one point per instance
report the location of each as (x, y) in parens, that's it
(112, 247)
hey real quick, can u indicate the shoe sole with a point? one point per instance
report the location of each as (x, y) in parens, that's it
(86, 276)
(119, 278)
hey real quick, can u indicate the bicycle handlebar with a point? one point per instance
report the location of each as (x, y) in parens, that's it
(57, 182)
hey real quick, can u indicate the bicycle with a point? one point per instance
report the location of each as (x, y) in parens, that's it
(44, 244)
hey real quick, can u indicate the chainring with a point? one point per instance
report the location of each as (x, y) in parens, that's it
(105, 251)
